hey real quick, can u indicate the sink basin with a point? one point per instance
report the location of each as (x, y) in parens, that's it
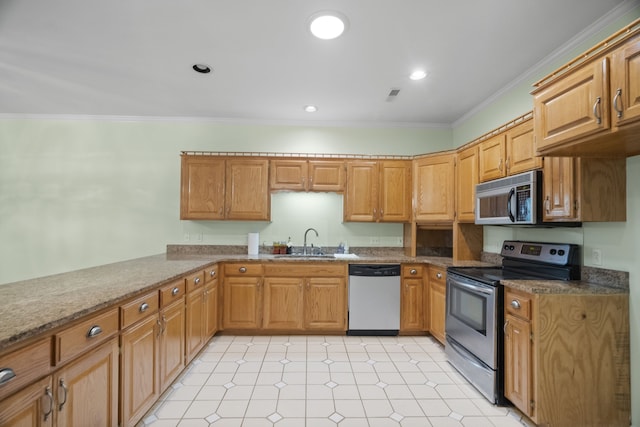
(304, 256)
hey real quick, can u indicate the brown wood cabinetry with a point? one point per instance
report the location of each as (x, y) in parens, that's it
(437, 302)
(566, 362)
(412, 299)
(195, 314)
(224, 188)
(591, 107)
(434, 188)
(307, 175)
(378, 191)
(325, 303)
(242, 296)
(508, 153)
(172, 332)
(466, 180)
(584, 189)
(25, 365)
(30, 407)
(283, 303)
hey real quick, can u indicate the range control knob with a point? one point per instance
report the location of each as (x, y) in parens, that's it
(506, 247)
(561, 252)
(552, 251)
(511, 247)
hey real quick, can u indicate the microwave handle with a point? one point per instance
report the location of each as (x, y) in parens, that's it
(512, 192)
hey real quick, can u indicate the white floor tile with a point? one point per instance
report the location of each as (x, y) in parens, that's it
(320, 408)
(377, 408)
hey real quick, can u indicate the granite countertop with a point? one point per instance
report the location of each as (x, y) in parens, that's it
(573, 287)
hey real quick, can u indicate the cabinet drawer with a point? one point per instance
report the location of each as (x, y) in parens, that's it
(25, 365)
(243, 269)
(172, 292)
(195, 280)
(139, 308)
(85, 335)
(412, 270)
(324, 269)
(210, 273)
(517, 304)
(437, 274)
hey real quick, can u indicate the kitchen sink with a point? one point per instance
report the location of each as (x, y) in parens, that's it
(304, 256)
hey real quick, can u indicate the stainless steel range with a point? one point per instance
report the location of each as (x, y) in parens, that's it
(474, 319)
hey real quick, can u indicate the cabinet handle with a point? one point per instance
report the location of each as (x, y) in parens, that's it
(413, 271)
(143, 307)
(159, 327)
(595, 111)
(615, 103)
(6, 375)
(504, 328)
(500, 165)
(508, 164)
(308, 284)
(164, 325)
(196, 280)
(62, 386)
(175, 291)
(212, 273)
(515, 304)
(94, 331)
(439, 275)
(242, 269)
(49, 394)
(547, 204)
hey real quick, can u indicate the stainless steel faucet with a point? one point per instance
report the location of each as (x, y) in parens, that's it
(304, 247)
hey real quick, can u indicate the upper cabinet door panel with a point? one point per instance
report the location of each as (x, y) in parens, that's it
(625, 83)
(521, 156)
(466, 180)
(434, 188)
(288, 175)
(247, 195)
(361, 198)
(491, 158)
(326, 175)
(574, 106)
(202, 188)
(395, 191)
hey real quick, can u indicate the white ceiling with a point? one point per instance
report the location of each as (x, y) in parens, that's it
(134, 57)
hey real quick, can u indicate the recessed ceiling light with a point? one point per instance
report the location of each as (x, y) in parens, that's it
(310, 108)
(327, 25)
(418, 75)
(202, 68)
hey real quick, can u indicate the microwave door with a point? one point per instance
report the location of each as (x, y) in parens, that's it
(510, 199)
(494, 206)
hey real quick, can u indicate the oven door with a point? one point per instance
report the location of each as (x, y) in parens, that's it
(472, 315)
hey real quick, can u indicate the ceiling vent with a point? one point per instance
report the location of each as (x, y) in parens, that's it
(392, 94)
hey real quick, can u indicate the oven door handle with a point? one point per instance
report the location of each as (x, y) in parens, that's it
(512, 193)
(463, 353)
(475, 288)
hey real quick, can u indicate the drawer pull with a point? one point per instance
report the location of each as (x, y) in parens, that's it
(242, 269)
(439, 275)
(212, 273)
(143, 307)
(196, 280)
(47, 392)
(619, 111)
(94, 331)
(515, 304)
(175, 291)
(63, 386)
(596, 111)
(6, 375)
(413, 271)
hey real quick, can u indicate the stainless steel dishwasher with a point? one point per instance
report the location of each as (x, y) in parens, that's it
(374, 299)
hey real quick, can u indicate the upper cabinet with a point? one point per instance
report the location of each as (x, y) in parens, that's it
(508, 153)
(378, 191)
(224, 188)
(434, 189)
(307, 175)
(466, 180)
(591, 106)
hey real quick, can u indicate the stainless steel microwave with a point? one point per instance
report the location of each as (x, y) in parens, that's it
(513, 200)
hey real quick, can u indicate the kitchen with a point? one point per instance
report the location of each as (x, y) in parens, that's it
(65, 196)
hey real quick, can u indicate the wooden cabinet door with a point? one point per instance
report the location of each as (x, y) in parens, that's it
(574, 106)
(491, 158)
(395, 191)
(437, 306)
(559, 189)
(87, 390)
(172, 342)
(242, 302)
(434, 188)
(194, 339)
(325, 304)
(211, 309)
(625, 83)
(411, 305)
(326, 175)
(282, 303)
(202, 187)
(521, 153)
(140, 386)
(466, 180)
(517, 363)
(247, 189)
(361, 197)
(30, 407)
(288, 175)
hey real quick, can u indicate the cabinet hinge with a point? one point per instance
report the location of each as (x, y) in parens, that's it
(531, 336)
(575, 205)
(532, 404)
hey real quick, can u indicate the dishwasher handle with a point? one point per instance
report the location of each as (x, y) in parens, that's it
(374, 270)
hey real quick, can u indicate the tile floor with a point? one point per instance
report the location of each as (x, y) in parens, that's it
(317, 381)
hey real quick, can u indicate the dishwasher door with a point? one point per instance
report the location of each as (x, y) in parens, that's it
(374, 299)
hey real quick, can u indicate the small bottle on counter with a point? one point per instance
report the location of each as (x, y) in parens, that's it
(289, 246)
(346, 248)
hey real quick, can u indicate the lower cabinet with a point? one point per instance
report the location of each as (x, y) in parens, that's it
(87, 389)
(412, 300)
(567, 357)
(172, 342)
(33, 406)
(283, 303)
(437, 302)
(325, 303)
(201, 310)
